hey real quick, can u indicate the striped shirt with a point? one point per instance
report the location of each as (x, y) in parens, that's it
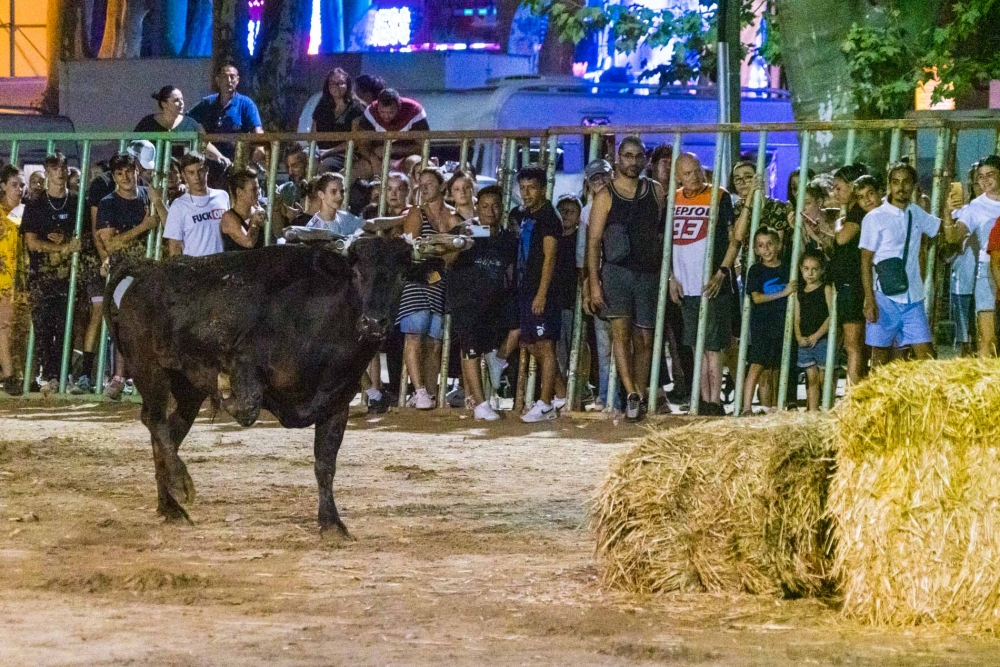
(419, 296)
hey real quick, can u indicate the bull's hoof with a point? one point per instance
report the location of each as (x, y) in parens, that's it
(181, 484)
(172, 511)
(338, 526)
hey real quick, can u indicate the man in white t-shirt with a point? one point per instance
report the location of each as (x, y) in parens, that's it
(978, 218)
(193, 225)
(896, 318)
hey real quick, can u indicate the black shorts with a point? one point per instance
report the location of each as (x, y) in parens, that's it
(534, 328)
(719, 329)
(850, 304)
(764, 348)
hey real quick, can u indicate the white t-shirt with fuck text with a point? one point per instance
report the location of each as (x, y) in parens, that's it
(196, 221)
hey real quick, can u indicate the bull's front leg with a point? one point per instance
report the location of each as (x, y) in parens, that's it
(329, 435)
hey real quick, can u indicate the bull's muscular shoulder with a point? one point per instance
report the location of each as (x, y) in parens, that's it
(265, 268)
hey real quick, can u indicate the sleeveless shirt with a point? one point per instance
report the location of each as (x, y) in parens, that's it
(640, 216)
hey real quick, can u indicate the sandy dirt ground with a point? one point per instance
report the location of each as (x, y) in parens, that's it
(471, 548)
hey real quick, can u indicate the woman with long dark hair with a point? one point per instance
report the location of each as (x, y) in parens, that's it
(336, 111)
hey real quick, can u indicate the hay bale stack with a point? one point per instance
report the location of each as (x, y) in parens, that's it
(722, 505)
(915, 499)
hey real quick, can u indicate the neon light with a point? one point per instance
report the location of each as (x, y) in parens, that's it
(391, 27)
(315, 29)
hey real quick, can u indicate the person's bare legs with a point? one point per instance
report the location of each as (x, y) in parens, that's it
(768, 387)
(711, 377)
(753, 378)
(642, 358)
(412, 349)
(987, 335)
(854, 344)
(621, 347)
(375, 371)
(473, 378)
(923, 351)
(431, 349)
(881, 356)
(545, 357)
(6, 330)
(814, 380)
(93, 332)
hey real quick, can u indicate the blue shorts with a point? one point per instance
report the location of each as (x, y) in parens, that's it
(539, 327)
(985, 289)
(899, 324)
(422, 323)
(813, 356)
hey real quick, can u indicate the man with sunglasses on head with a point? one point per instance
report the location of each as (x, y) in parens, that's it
(626, 236)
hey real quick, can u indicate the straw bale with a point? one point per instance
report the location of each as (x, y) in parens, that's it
(721, 505)
(915, 498)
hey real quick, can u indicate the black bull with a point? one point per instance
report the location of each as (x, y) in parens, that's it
(290, 329)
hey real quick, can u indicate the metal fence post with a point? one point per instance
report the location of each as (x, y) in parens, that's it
(160, 160)
(830, 376)
(463, 155)
(386, 160)
(786, 348)
(895, 145)
(164, 187)
(758, 205)
(311, 166)
(67, 347)
(272, 186)
(577, 336)
(713, 223)
(937, 188)
(445, 354)
(666, 268)
(348, 172)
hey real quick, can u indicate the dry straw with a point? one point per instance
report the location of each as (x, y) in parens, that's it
(722, 505)
(915, 499)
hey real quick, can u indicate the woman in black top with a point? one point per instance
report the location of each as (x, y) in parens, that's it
(845, 268)
(170, 118)
(336, 111)
(241, 225)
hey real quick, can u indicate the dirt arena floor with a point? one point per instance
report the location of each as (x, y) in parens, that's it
(471, 548)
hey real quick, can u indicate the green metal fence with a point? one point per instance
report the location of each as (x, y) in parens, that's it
(502, 153)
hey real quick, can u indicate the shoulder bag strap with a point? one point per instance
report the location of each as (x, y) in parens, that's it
(909, 228)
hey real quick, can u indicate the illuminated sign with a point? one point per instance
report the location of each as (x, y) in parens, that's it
(391, 27)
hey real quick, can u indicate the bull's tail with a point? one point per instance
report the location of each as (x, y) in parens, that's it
(122, 272)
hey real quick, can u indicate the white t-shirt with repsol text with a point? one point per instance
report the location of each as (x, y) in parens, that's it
(197, 221)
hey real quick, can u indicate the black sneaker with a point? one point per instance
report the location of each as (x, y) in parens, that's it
(633, 408)
(712, 410)
(679, 396)
(11, 386)
(379, 407)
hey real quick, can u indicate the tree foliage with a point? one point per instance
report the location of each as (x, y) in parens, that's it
(693, 32)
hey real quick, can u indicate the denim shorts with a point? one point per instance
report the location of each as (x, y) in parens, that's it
(813, 356)
(901, 324)
(985, 289)
(422, 323)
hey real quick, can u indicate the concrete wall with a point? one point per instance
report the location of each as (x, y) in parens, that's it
(113, 95)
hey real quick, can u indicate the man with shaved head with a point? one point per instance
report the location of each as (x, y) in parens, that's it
(625, 250)
(691, 223)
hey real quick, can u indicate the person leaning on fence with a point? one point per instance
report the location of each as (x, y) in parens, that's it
(338, 110)
(11, 271)
(539, 309)
(567, 278)
(170, 117)
(745, 181)
(891, 236)
(192, 226)
(242, 225)
(331, 215)
(625, 249)
(692, 210)
(812, 323)
(289, 193)
(48, 227)
(389, 113)
(125, 219)
(421, 307)
(477, 296)
(228, 112)
(963, 263)
(978, 218)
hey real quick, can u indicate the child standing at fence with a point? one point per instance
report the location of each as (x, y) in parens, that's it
(812, 323)
(769, 286)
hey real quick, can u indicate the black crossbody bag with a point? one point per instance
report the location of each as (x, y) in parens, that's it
(892, 271)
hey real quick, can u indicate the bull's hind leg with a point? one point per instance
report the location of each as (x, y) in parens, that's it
(172, 478)
(329, 435)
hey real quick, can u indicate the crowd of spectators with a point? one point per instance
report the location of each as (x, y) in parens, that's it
(862, 240)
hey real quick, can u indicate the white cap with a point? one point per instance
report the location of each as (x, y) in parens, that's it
(145, 154)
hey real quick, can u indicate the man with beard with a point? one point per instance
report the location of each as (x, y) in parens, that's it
(625, 232)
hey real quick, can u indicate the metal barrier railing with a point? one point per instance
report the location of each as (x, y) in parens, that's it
(503, 151)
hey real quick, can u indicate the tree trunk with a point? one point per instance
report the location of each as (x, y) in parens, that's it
(331, 14)
(60, 34)
(229, 38)
(113, 24)
(174, 21)
(506, 9)
(199, 30)
(123, 29)
(274, 80)
(556, 56)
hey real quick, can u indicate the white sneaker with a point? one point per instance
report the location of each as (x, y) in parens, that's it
(558, 403)
(484, 412)
(539, 412)
(424, 400)
(496, 367)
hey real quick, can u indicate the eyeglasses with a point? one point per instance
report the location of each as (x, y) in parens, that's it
(631, 157)
(743, 179)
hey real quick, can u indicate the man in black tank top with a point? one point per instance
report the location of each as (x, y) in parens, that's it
(624, 252)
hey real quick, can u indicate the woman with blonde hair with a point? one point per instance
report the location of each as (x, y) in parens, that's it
(11, 191)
